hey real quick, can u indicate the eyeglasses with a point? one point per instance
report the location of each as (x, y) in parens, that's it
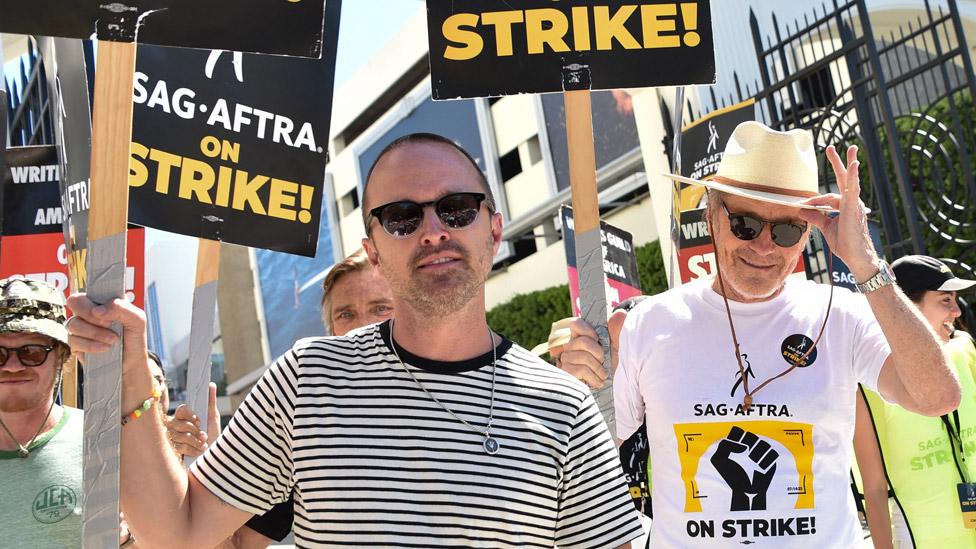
(747, 227)
(29, 355)
(402, 218)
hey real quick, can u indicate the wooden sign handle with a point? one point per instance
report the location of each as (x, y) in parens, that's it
(202, 330)
(586, 221)
(111, 133)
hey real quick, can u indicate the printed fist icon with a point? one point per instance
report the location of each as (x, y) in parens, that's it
(748, 490)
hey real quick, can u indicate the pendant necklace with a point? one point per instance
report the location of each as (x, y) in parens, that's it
(23, 450)
(490, 444)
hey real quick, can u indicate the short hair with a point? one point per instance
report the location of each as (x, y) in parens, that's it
(424, 137)
(357, 262)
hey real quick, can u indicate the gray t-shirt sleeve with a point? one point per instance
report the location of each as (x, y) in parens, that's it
(250, 465)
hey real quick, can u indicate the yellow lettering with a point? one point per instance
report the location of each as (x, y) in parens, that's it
(537, 36)
(282, 195)
(165, 162)
(581, 28)
(196, 178)
(609, 28)
(246, 192)
(78, 259)
(658, 18)
(453, 32)
(223, 186)
(502, 21)
(138, 173)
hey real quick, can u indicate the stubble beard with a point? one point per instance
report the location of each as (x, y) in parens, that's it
(29, 402)
(444, 294)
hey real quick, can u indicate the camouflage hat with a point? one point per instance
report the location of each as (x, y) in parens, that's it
(32, 306)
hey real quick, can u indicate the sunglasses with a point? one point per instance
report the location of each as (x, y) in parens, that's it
(402, 218)
(747, 227)
(29, 355)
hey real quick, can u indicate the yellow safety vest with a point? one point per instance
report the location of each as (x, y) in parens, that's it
(921, 467)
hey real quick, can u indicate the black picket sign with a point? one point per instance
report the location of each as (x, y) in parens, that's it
(282, 27)
(230, 146)
(483, 48)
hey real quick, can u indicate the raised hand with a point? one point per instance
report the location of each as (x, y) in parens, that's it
(184, 432)
(846, 233)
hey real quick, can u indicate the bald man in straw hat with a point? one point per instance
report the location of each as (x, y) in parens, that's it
(747, 379)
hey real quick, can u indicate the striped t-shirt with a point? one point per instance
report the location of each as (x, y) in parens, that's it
(375, 462)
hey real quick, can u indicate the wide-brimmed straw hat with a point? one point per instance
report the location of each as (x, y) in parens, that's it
(764, 164)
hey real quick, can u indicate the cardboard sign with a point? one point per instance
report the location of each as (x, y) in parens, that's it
(481, 48)
(285, 27)
(33, 238)
(703, 144)
(45, 257)
(619, 262)
(31, 198)
(243, 156)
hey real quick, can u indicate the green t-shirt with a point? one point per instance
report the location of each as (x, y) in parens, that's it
(919, 461)
(42, 493)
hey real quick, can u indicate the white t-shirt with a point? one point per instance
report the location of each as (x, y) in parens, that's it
(375, 462)
(789, 457)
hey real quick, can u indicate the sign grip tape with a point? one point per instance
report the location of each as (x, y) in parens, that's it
(103, 390)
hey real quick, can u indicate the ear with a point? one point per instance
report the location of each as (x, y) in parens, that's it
(371, 254)
(496, 232)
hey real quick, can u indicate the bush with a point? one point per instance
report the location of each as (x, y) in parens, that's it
(527, 318)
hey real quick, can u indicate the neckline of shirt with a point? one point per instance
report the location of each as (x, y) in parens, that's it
(441, 366)
(714, 300)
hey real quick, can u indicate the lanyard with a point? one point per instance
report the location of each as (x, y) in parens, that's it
(955, 440)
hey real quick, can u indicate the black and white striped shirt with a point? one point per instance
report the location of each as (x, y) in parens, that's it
(376, 463)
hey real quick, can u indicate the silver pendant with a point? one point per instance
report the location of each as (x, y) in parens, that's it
(491, 446)
(23, 452)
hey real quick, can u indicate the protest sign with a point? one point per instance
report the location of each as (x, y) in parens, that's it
(619, 262)
(33, 240)
(286, 27)
(243, 155)
(703, 144)
(482, 48)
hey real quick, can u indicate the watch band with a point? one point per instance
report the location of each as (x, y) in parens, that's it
(884, 277)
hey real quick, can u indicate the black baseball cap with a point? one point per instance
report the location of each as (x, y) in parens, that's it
(916, 273)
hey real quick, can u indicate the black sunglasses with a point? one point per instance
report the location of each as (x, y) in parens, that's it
(402, 218)
(29, 355)
(747, 227)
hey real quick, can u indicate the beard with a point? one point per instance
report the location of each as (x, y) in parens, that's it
(443, 293)
(22, 401)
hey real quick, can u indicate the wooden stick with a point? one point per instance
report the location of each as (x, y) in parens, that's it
(202, 330)
(586, 220)
(111, 134)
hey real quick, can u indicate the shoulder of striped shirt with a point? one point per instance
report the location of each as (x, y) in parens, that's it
(517, 359)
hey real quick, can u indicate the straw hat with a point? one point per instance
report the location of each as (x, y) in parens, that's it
(764, 164)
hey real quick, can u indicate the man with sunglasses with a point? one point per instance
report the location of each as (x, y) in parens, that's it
(747, 379)
(427, 430)
(40, 441)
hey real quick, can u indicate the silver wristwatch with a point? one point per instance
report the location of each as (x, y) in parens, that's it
(884, 277)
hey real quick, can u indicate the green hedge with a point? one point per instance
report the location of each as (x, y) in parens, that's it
(526, 318)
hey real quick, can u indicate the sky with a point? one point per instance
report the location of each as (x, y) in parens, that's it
(366, 26)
